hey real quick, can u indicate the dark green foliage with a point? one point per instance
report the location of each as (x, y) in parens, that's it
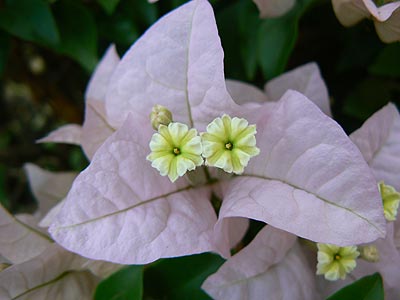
(126, 284)
(366, 288)
(181, 278)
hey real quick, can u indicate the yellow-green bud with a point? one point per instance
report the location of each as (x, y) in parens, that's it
(369, 253)
(390, 200)
(160, 115)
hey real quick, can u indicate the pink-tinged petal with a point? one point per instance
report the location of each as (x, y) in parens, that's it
(245, 94)
(51, 215)
(379, 142)
(96, 129)
(237, 228)
(52, 275)
(272, 264)
(309, 178)
(177, 63)
(18, 241)
(389, 31)
(383, 12)
(98, 84)
(231, 231)
(350, 12)
(305, 79)
(396, 234)
(141, 215)
(49, 188)
(273, 8)
(67, 134)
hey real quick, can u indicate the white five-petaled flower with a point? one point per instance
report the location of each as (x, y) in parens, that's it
(335, 262)
(229, 143)
(175, 149)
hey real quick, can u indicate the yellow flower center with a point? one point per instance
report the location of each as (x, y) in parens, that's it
(229, 146)
(177, 151)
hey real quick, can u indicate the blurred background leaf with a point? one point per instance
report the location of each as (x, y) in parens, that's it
(388, 62)
(125, 284)
(109, 5)
(78, 32)
(30, 20)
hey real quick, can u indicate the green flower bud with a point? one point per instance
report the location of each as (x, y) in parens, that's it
(160, 115)
(369, 253)
(390, 200)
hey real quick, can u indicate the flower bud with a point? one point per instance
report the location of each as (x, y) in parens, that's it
(160, 115)
(369, 253)
(390, 200)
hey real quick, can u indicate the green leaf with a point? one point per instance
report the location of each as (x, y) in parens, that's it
(366, 288)
(249, 21)
(276, 40)
(119, 29)
(30, 20)
(181, 278)
(78, 33)
(388, 62)
(126, 284)
(109, 5)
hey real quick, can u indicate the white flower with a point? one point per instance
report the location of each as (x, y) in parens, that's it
(229, 144)
(335, 262)
(175, 150)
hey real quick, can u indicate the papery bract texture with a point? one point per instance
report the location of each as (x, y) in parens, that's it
(177, 63)
(272, 264)
(141, 215)
(54, 274)
(305, 79)
(68, 134)
(308, 172)
(386, 17)
(245, 94)
(96, 129)
(20, 242)
(49, 188)
(379, 142)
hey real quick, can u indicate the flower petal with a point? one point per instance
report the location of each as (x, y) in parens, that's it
(52, 275)
(49, 188)
(141, 215)
(305, 79)
(96, 129)
(20, 242)
(177, 63)
(308, 179)
(68, 134)
(379, 142)
(274, 8)
(269, 265)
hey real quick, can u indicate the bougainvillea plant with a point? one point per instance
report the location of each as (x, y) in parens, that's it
(185, 162)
